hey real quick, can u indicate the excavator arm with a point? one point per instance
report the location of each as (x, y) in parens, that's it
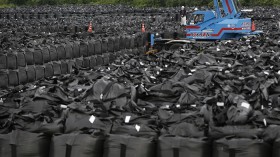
(230, 7)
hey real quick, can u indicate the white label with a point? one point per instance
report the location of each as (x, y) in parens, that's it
(137, 127)
(152, 77)
(80, 89)
(262, 107)
(245, 104)
(193, 70)
(190, 74)
(241, 78)
(229, 65)
(141, 63)
(127, 119)
(264, 122)
(157, 72)
(178, 106)
(266, 72)
(227, 71)
(220, 104)
(63, 106)
(207, 63)
(91, 119)
(166, 66)
(193, 105)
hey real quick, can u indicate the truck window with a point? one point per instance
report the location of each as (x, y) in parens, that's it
(198, 18)
(195, 19)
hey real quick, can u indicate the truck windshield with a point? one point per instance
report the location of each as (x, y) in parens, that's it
(195, 19)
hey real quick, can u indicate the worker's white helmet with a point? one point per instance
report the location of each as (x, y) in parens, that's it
(182, 7)
(195, 9)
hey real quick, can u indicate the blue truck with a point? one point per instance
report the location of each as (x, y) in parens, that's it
(224, 22)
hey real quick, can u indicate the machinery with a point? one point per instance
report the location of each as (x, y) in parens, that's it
(223, 23)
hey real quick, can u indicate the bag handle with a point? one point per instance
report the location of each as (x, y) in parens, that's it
(123, 150)
(13, 143)
(175, 152)
(231, 152)
(69, 144)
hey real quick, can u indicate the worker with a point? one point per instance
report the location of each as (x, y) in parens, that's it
(183, 16)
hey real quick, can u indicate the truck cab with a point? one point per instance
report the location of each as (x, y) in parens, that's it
(199, 17)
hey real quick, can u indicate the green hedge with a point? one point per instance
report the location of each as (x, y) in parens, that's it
(139, 3)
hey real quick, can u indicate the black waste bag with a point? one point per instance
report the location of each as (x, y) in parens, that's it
(37, 106)
(271, 133)
(54, 94)
(239, 114)
(130, 118)
(137, 130)
(24, 144)
(174, 146)
(76, 145)
(199, 76)
(185, 130)
(166, 90)
(241, 131)
(276, 148)
(191, 117)
(129, 146)
(39, 124)
(6, 123)
(77, 121)
(241, 147)
(187, 98)
(108, 93)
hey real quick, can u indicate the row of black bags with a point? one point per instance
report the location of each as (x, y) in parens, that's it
(25, 144)
(31, 73)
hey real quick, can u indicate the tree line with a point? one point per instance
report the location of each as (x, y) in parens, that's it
(139, 3)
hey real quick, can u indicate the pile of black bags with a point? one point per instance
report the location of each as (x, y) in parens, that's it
(215, 99)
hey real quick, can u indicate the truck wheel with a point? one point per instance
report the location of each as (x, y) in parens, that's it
(175, 46)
